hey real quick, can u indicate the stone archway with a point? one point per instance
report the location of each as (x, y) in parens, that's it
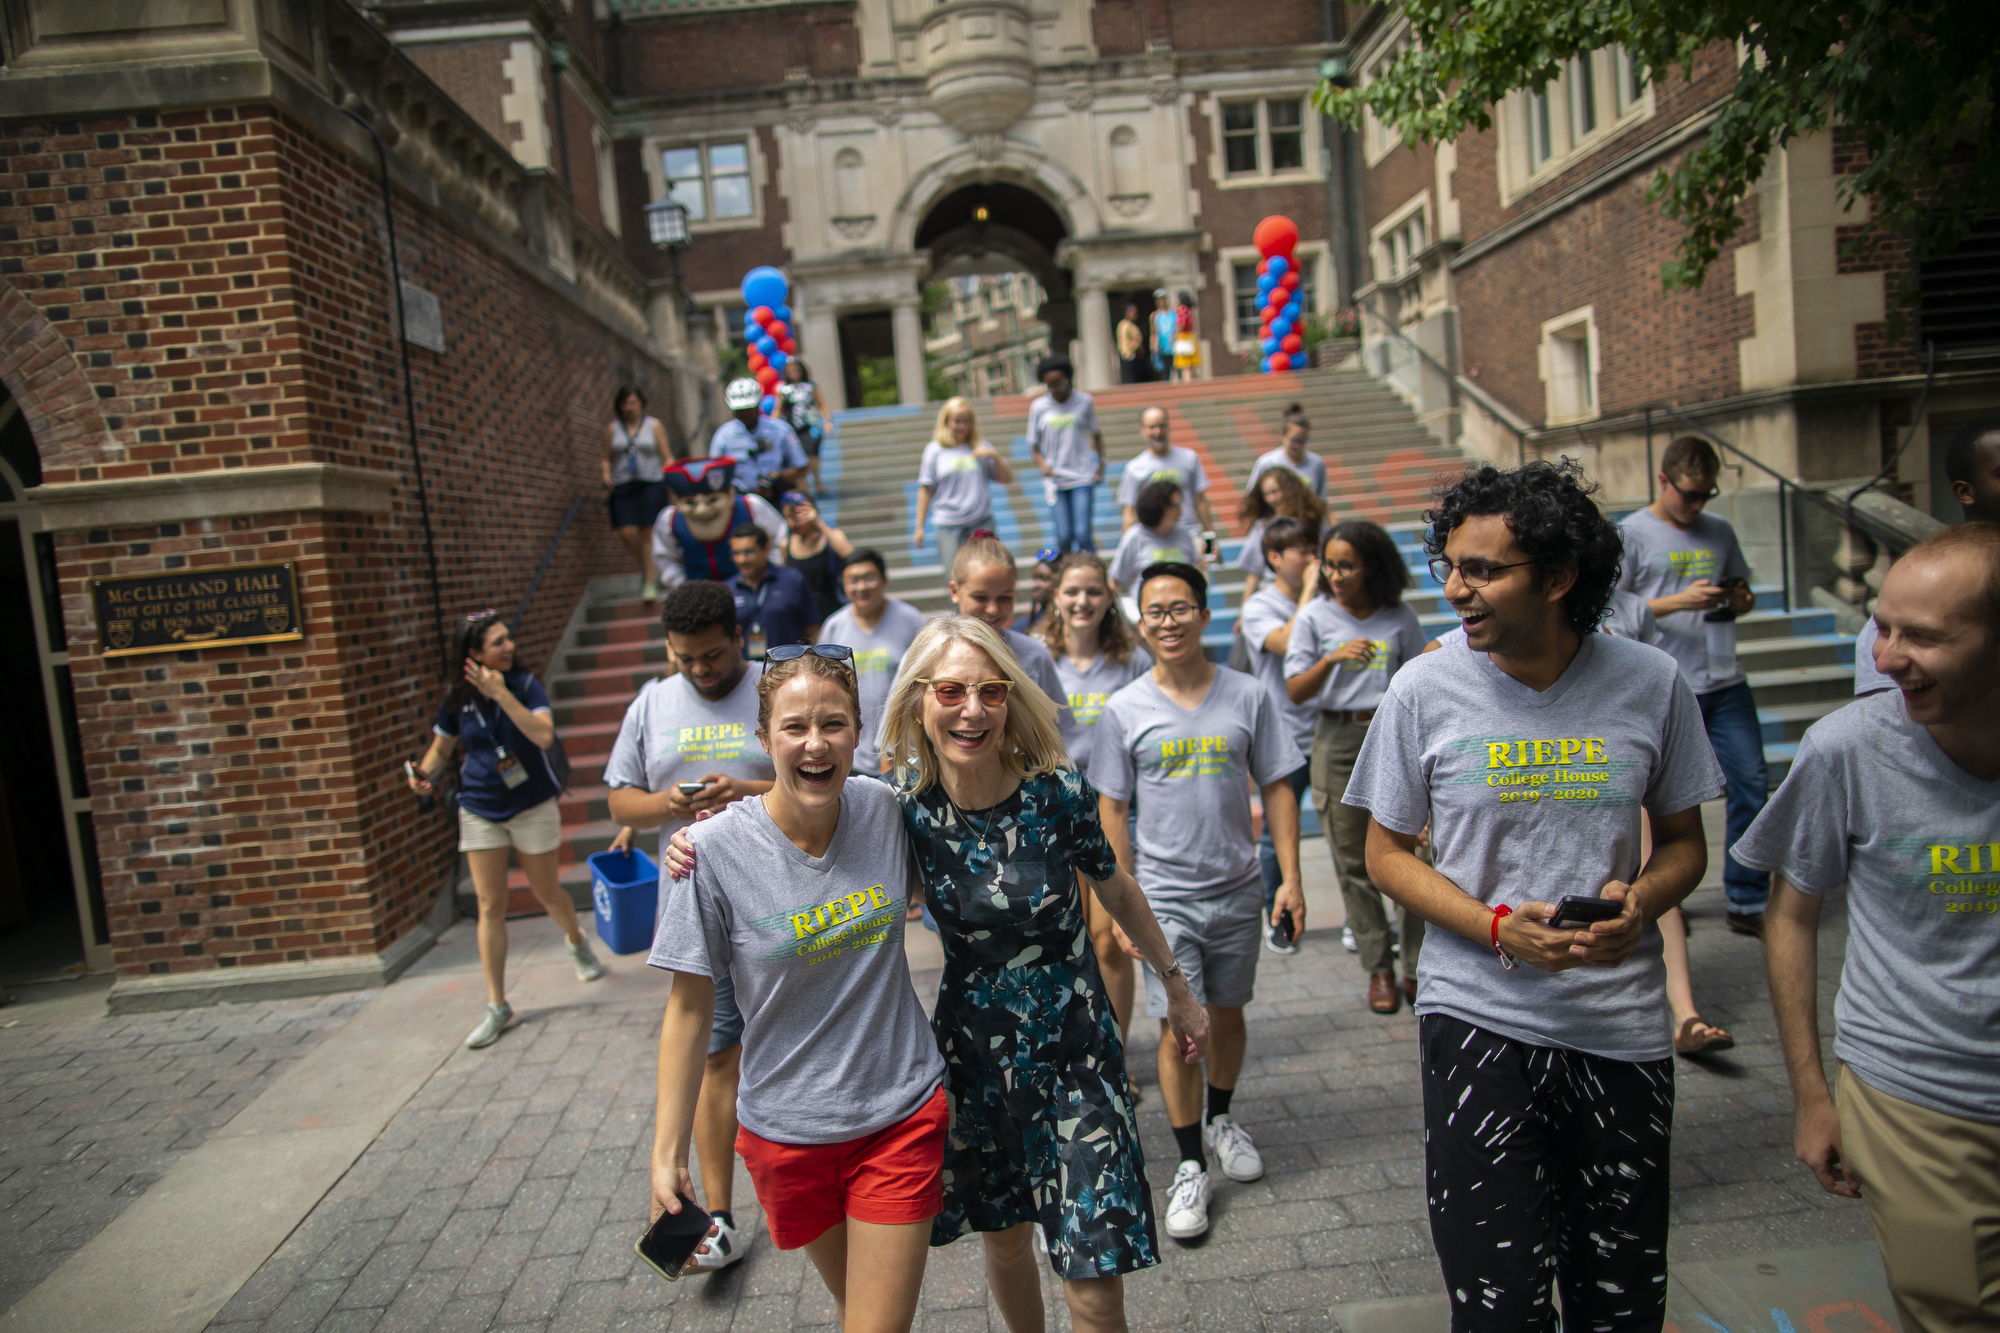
(963, 233)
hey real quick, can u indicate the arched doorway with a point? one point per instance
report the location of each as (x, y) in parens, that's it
(1009, 303)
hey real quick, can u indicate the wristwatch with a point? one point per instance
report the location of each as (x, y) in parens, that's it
(1171, 972)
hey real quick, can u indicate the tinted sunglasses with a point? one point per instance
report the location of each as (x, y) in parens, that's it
(951, 693)
(832, 652)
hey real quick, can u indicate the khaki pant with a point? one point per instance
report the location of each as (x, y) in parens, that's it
(1335, 745)
(1932, 1185)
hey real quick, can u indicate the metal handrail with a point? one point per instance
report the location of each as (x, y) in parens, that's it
(1494, 407)
(548, 558)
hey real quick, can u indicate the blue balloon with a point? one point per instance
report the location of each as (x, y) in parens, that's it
(1277, 265)
(769, 407)
(783, 312)
(764, 285)
(777, 359)
(766, 344)
(1298, 360)
(1266, 283)
(1269, 345)
(1293, 309)
(1280, 327)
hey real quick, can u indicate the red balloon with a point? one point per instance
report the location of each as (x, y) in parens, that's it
(763, 314)
(1264, 330)
(789, 346)
(1273, 312)
(1278, 361)
(776, 328)
(1291, 342)
(757, 361)
(1263, 267)
(768, 378)
(1275, 235)
(1290, 282)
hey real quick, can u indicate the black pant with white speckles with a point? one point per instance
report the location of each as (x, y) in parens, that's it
(1547, 1170)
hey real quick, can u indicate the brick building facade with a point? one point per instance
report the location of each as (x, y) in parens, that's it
(202, 371)
(1525, 260)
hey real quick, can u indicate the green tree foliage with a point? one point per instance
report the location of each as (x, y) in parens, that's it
(1917, 80)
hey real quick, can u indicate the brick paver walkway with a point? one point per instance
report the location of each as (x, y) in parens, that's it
(93, 1111)
(508, 1194)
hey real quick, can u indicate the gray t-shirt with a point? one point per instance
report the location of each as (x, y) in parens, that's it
(1867, 680)
(1661, 560)
(960, 495)
(1141, 546)
(1630, 617)
(1872, 803)
(1531, 797)
(1181, 465)
(1397, 636)
(1062, 432)
(1091, 688)
(1313, 469)
(1192, 772)
(835, 1043)
(1266, 610)
(878, 656)
(671, 734)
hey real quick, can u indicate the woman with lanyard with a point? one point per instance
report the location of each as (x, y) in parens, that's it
(804, 408)
(1097, 654)
(507, 797)
(634, 459)
(1042, 1126)
(817, 551)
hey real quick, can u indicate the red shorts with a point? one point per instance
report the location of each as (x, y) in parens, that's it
(892, 1176)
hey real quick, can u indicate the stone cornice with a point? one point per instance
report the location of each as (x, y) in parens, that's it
(217, 493)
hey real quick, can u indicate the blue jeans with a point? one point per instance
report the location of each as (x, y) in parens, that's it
(1730, 714)
(1267, 854)
(1072, 519)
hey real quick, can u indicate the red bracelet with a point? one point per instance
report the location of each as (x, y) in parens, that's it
(1506, 961)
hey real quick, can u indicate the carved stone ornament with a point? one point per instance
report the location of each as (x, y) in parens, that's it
(1164, 92)
(854, 229)
(801, 122)
(986, 147)
(1079, 99)
(1130, 205)
(887, 114)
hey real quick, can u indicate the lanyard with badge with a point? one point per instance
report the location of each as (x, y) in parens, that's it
(508, 766)
(753, 633)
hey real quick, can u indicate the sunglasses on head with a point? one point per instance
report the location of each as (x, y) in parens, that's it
(488, 614)
(832, 652)
(1048, 555)
(951, 693)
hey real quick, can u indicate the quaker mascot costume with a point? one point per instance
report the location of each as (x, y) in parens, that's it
(691, 535)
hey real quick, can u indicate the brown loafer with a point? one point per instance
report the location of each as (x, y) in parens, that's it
(1410, 988)
(1382, 997)
(1746, 923)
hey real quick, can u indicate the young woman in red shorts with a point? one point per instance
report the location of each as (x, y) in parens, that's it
(799, 894)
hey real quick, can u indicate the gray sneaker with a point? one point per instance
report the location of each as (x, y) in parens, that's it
(498, 1016)
(587, 966)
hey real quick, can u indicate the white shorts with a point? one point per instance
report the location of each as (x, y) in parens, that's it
(530, 833)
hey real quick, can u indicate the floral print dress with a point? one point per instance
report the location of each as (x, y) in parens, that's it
(1042, 1124)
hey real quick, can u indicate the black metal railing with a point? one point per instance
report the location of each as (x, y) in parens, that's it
(1493, 407)
(548, 558)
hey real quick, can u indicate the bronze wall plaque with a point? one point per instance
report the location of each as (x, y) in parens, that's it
(197, 608)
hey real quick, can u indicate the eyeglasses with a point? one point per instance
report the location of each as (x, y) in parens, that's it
(832, 652)
(1473, 571)
(1160, 615)
(951, 693)
(1342, 567)
(1698, 497)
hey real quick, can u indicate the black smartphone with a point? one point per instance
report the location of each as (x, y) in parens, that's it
(1579, 911)
(670, 1242)
(1285, 924)
(690, 788)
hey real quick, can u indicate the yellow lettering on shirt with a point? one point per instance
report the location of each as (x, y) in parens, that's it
(718, 742)
(1059, 420)
(871, 661)
(847, 909)
(1087, 708)
(1966, 895)
(1195, 757)
(1696, 563)
(1546, 764)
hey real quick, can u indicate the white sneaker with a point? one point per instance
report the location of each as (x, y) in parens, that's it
(723, 1250)
(1347, 940)
(1229, 1143)
(587, 966)
(498, 1016)
(1187, 1203)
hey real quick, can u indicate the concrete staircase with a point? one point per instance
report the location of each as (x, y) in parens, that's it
(1381, 465)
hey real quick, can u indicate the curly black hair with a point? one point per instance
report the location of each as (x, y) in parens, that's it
(1383, 571)
(696, 605)
(1554, 522)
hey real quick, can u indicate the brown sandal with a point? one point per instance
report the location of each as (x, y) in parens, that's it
(1698, 1036)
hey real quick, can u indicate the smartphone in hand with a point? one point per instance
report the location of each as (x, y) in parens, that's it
(1575, 912)
(670, 1242)
(690, 789)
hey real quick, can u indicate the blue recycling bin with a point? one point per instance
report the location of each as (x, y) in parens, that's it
(625, 887)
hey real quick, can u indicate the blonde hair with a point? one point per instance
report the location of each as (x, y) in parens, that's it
(1031, 744)
(943, 435)
(983, 548)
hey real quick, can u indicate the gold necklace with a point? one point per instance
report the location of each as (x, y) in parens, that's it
(966, 820)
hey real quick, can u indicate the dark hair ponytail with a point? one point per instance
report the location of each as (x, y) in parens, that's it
(469, 640)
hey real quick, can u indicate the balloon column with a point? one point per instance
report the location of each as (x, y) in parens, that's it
(1282, 317)
(768, 329)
